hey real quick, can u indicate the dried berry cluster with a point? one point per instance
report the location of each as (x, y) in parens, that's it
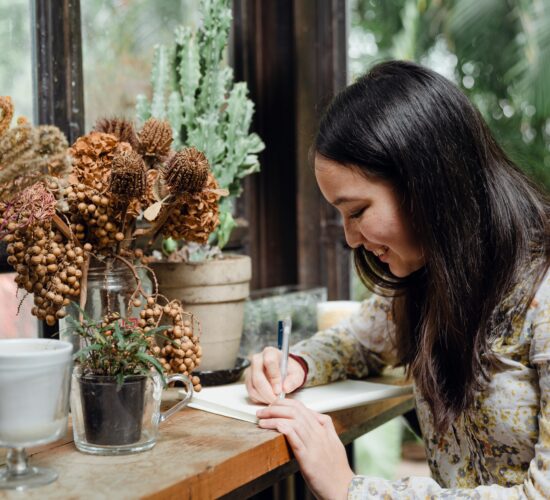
(181, 352)
(47, 264)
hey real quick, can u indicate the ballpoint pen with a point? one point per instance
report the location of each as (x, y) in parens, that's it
(284, 328)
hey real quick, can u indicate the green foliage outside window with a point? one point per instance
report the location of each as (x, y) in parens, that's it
(497, 51)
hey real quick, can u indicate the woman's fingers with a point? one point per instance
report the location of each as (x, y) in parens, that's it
(295, 376)
(292, 411)
(263, 379)
(258, 381)
(272, 368)
(285, 427)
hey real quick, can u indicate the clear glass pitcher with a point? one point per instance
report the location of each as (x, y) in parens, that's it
(114, 420)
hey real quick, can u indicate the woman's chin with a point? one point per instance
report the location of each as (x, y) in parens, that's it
(400, 271)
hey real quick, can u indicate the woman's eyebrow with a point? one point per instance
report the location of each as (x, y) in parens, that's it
(343, 199)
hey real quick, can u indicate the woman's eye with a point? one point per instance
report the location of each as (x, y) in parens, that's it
(357, 214)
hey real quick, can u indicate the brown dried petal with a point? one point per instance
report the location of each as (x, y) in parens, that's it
(92, 156)
(197, 217)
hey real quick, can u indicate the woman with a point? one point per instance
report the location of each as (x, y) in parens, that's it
(454, 241)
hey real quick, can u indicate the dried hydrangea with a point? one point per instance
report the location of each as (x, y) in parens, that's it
(197, 217)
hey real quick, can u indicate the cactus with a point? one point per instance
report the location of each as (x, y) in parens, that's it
(194, 90)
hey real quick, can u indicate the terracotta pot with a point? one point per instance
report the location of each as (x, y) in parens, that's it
(215, 292)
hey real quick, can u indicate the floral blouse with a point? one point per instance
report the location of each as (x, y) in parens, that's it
(500, 448)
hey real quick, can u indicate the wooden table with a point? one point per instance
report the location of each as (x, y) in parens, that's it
(198, 455)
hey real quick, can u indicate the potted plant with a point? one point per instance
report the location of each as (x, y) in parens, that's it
(117, 384)
(193, 89)
(69, 216)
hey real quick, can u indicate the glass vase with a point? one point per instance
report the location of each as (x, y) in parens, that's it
(111, 287)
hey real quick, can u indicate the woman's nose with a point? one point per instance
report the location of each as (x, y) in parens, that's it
(354, 238)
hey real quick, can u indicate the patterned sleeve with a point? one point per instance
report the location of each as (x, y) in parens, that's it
(537, 481)
(359, 346)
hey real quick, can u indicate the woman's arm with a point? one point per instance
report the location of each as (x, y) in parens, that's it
(359, 346)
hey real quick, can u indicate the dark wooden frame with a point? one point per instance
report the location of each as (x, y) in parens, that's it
(57, 63)
(293, 55)
(57, 78)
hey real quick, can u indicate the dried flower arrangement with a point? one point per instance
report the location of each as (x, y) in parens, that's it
(61, 206)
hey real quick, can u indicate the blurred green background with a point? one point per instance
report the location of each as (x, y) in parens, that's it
(497, 51)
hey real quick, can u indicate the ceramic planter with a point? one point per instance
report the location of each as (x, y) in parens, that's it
(215, 292)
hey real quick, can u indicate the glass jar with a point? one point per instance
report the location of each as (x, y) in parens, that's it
(110, 288)
(111, 419)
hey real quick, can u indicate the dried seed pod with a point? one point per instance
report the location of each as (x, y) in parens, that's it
(122, 129)
(128, 178)
(155, 138)
(187, 171)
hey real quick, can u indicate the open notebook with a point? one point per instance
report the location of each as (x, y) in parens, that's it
(232, 400)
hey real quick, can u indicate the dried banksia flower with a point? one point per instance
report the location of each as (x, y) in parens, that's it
(122, 129)
(155, 138)
(187, 171)
(128, 178)
(6, 113)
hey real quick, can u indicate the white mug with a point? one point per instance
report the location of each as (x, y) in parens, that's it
(34, 391)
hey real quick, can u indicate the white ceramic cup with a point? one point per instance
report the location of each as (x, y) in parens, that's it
(34, 391)
(332, 312)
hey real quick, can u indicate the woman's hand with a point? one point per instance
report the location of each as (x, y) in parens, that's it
(316, 446)
(263, 378)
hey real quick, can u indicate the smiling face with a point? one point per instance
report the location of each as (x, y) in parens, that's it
(372, 215)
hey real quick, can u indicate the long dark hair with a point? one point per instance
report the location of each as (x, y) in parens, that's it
(482, 224)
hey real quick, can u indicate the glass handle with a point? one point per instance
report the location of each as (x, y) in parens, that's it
(179, 405)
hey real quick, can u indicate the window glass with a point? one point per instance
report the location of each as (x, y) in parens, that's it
(118, 40)
(16, 55)
(14, 324)
(16, 81)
